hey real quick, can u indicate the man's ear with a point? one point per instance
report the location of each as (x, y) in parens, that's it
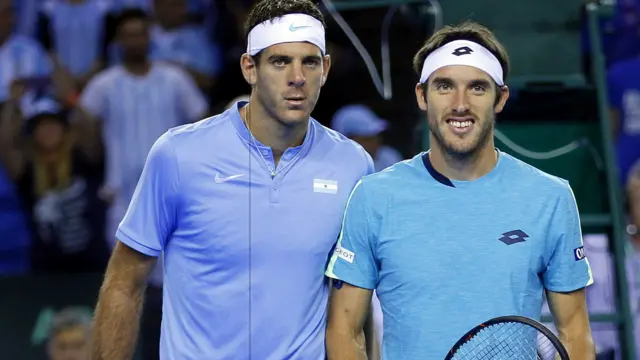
(326, 66)
(249, 68)
(504, 93)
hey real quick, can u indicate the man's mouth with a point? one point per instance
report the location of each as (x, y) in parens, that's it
(461, 125)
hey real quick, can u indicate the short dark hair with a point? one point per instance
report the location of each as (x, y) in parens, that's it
(273, 9)
(470, 31)
(129, 15)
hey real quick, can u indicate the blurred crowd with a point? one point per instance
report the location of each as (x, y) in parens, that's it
(87, 86)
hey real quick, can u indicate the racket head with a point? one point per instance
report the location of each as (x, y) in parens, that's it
(465, 349)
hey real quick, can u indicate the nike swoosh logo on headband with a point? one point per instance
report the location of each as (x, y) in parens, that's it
(293, 28)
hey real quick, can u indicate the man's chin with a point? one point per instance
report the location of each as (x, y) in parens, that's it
(294, 116)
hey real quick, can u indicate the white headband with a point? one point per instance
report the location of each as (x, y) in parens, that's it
(285, 29)
(462, 52)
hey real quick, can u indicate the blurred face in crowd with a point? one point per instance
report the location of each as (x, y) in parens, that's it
(134, 39)
(369, 143)
(6, 19)
(171, 13)
(287, 80)
(48, 134)
(461, 107)
(72, 343)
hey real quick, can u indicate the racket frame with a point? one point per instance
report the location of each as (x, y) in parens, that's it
(562, 352)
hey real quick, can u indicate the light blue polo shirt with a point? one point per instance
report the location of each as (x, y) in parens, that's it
(244, 254)
(447, 255)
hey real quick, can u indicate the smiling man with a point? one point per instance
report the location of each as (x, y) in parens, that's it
(463, 232)
(244, 209)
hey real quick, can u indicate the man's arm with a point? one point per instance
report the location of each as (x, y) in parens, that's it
(143, 235)
(117, 315)
(567, 275)
(371, 337)
(348, 309)
(571, 318)
(354, 274)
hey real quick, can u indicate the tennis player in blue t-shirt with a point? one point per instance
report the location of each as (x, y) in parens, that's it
(461, 233)
(244, 208)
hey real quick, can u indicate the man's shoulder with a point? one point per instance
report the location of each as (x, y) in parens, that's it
(211, 131)
(520, 172)
(170, 71)
(107, 76)
(344, 149)
(398, 177)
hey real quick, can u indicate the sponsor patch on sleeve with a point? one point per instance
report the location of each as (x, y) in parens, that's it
(345, 254)
(578, 253)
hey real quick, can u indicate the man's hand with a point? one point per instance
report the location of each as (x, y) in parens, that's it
(348, 309)
(571, 318)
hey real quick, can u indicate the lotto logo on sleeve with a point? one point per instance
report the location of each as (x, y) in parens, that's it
(345, 254)
(579, 253)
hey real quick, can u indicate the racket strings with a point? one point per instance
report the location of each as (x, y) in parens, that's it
(504, 341)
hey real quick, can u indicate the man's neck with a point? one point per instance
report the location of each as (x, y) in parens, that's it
(138, 68)
(269, 131)
(467, 169)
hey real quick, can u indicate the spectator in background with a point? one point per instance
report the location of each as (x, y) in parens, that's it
(21, 58)
(133, 104)
(70, 335)
(362, 125)
(74, 33)
(177, 41)
(58, 181)
(624, 101)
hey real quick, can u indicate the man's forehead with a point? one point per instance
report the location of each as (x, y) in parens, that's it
(461, 73)
(293, 49)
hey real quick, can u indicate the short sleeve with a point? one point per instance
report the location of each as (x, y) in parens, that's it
(94, 97)
(192, 103)
(568, 268)
(353, 259)
(150, 218)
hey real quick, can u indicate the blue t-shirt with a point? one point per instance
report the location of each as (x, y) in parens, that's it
(624, 95)
(446, 255)
(244, 253)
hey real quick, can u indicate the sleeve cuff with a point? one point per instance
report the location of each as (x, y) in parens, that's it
(370, 285)
(580, 283)
(135, 245)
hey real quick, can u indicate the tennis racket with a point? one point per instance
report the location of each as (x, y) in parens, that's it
(508, 337)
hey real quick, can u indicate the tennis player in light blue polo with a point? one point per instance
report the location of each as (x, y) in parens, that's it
(461, 233)
(244, 208)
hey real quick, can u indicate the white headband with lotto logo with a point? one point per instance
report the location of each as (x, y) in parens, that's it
(286, 29)
(463, 52)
